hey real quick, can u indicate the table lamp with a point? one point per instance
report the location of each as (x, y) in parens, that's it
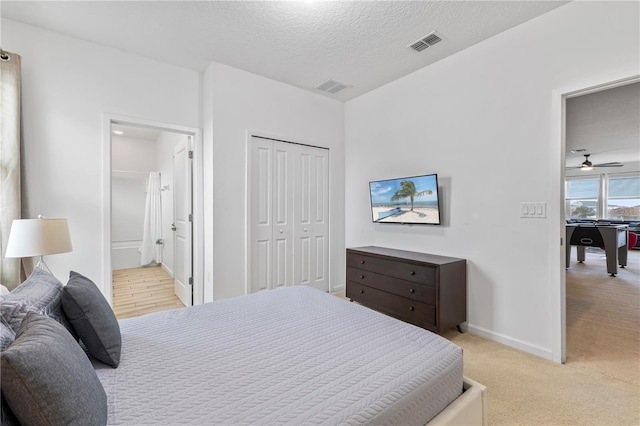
(38, 237)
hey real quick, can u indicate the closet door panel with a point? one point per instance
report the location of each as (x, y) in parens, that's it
(311, 201)
(320, 218)
(282, 231)
(261, 215)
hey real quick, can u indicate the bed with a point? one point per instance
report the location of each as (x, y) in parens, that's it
(289, 356)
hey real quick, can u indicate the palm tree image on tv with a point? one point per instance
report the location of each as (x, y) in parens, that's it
(408, 189)
(405, 200)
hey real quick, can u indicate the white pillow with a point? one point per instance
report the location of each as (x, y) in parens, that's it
(3, 290)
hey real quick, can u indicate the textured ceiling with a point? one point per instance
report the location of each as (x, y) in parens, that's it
(303, 43)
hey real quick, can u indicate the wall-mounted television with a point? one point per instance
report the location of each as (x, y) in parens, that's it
(408, 200)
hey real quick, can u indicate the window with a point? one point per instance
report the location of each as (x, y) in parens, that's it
(582, 196)
(623, 196)
(607, 196)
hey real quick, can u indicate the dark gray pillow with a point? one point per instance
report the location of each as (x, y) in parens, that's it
(92, 318)
(48, 379)
(40, 293)
(7, 418)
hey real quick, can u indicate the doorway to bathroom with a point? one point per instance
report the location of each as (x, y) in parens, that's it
(151, 218)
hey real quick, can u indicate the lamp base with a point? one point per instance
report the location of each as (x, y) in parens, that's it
(42, 265)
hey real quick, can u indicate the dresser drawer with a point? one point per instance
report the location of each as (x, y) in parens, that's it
(403, 308)
(419, 292)
(398, 269)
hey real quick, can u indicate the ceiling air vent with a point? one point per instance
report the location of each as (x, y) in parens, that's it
(331, 86)
(426, 41)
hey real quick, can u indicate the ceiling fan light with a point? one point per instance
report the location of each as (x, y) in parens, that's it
(586, 167)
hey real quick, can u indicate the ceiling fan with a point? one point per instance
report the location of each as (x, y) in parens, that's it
(588, 165)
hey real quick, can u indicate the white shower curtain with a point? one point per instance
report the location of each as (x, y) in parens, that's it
(151, 250)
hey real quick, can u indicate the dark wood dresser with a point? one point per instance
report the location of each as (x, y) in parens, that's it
(427, 290)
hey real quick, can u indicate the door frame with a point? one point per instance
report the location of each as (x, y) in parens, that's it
(250, 133)
(198, 199)
(558, 257)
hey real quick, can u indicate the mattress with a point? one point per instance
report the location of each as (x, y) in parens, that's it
(289, 356)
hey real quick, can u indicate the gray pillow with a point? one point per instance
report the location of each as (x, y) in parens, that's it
(48, 379)
(92, 318)
(40, 293)
(7, 335)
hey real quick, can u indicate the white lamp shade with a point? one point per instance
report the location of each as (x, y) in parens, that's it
(38, 237)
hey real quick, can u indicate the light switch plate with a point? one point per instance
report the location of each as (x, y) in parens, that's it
(532, 209)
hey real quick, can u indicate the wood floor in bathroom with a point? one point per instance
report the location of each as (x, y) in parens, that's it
(140, 291)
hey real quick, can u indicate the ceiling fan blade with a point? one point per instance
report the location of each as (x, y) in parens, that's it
(614, 164)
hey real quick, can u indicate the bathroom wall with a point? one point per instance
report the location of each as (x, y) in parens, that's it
(132, 160)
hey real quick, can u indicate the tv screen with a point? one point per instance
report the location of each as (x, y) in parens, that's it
(409, 200)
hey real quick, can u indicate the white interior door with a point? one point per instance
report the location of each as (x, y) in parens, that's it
(289, 215)
(311, 195)
(182, 224)
(261, 214)
(283, 175)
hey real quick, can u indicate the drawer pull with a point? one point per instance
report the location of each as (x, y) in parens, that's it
(412, 273)
(361, 277)
(411, 308)
(362, 262)
(412, 290)
(361, 291)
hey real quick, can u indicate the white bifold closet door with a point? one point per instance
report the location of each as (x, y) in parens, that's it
(289, 215)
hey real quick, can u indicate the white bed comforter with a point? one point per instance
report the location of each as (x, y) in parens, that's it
(291, 356)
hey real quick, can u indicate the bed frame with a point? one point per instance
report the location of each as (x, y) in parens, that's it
(469, 409)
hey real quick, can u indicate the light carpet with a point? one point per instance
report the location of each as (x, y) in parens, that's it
(599, 384)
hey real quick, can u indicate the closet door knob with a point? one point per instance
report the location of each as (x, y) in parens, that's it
(173, 227)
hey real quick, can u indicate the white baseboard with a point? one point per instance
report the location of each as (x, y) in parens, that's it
(511, 342)
(167, 270)
(338, 288)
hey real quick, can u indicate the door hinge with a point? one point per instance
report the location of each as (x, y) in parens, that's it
(190, 217)
(191, 155)
(190, 280)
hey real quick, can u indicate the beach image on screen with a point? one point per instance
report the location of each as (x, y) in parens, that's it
(405, 200)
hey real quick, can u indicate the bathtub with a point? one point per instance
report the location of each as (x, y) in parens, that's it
(125, 254)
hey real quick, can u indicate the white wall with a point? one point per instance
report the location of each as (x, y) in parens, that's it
(133, 154)
(482, 119)
(128, 190)
(67, 86)
(237, 102)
